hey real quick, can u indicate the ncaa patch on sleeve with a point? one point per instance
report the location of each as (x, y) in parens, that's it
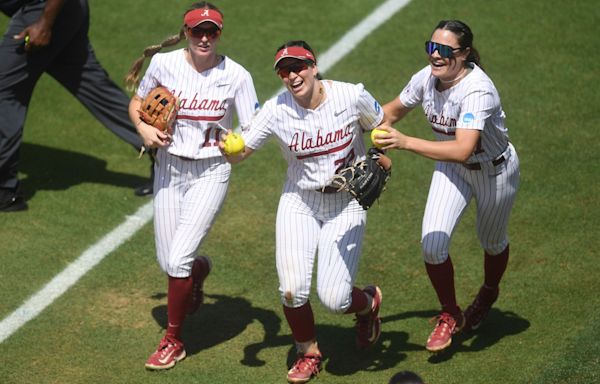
(468, 118)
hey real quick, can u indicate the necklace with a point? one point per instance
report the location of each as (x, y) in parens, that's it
(322, 96)
(463, 74)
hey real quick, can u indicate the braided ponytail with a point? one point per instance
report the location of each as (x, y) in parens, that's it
(132, 78)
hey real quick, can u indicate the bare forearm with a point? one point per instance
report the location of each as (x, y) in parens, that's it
(437, 150)
(235, 159)
(51, 11)
(134, 106)
(395, 111)
(458, 150)
(39, 34)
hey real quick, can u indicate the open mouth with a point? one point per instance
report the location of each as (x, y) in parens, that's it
(297, 84)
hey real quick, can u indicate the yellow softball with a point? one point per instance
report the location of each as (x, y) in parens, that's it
(233, 144)
(377, 132)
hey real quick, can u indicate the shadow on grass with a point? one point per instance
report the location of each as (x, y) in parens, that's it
(345, 359)
(340, 354)
(48, 168)
(225, 317)
(220, 320)
(498, 325)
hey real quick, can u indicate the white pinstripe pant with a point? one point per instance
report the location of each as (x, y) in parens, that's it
(188, 195)
(452, 188)
(331, 224)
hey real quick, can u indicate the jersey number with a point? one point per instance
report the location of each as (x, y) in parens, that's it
(211, 137)
(345, 161)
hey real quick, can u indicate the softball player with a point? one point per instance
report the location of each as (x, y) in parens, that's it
(474, 159)
(319, 126)
(191, 174)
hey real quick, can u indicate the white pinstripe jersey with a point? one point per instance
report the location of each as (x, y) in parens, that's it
(206, 98)
(315, 143)
(473, 103)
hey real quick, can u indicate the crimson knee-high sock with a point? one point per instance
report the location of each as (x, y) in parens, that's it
(494, 267)
(301, 321)
(178, 297)
(359, 301)
(442, 279)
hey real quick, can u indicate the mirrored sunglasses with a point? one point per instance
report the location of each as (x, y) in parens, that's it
(298, 67)
(445, 51)
(200, 32)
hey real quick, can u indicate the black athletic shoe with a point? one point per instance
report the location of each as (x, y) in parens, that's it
(11, 201)
(144, 190)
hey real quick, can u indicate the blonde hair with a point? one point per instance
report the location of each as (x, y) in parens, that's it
(132, 79)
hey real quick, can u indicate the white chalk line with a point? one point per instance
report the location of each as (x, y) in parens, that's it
(97, 252)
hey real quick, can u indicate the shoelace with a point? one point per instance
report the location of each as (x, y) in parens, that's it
(445, 323)
(307, 362)
(164, 345)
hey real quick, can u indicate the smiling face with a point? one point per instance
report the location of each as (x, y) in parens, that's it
(300, 78)
(203, 39)
(447, 68)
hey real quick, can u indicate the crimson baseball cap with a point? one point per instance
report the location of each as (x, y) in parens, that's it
(295, 52)
(198, 16)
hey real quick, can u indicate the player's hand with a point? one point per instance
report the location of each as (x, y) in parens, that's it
(222, 138)
(392, 138)
(153, 137)
(232, 158)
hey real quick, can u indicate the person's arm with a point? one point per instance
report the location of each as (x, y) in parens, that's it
(234, 159)
(394, 111)
(39, 34)
(458, 150)
(246, 100)
(151, 136)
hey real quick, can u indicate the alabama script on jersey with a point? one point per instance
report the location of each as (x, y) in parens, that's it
(316, 143)
(473, 103)
(207, 100)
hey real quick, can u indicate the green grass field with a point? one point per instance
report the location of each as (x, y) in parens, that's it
(543, 58)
